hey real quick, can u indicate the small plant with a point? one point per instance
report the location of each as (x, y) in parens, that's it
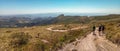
(19, 39)
(8, 31)
(37, 46)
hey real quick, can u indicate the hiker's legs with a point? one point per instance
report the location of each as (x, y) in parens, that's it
(94, 33)
(103, 33)
(99, 33)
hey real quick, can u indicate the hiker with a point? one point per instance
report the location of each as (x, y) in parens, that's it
(103, 28)
(99, 29)
(94, 30)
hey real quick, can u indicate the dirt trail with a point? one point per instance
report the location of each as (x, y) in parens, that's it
(50, 29)
(91, 43)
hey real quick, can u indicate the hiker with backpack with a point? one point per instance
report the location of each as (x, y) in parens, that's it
(94, 30)
(101, 29)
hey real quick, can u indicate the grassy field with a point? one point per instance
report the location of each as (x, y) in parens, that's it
(66, 26)
(113, 32)
(37, 38)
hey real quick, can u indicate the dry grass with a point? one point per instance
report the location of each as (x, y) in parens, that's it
(41, 39)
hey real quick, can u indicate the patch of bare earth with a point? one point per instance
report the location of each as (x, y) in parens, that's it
(76, 28)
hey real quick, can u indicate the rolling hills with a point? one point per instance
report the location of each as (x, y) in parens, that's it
(26, 34)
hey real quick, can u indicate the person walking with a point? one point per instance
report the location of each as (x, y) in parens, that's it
(103, 28)
(100, 29)
(94, 30)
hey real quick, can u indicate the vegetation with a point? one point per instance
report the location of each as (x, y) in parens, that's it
(38, 38)
(66, 26)
(113, 33)
(19, 39)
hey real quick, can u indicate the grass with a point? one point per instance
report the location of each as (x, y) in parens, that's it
(19, 39)
(30, 38)
(113, 33)
(37, 38)
(66, 26)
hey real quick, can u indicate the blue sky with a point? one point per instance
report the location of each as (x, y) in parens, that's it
(8, 7)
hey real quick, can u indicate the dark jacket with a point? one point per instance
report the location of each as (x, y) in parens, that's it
(94, 28)
(100, 28)
(103, 27)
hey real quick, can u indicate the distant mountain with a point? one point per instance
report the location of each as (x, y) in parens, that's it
(42, 15)
(61, 19)
(70, 19)
(53, 15)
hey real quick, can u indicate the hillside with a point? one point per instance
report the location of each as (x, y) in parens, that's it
(57, 32)
(61, 19)
(37, 38)
(71, 19)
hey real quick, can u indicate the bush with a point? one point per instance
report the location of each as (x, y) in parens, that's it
(19, 39)
(8, 31)
(37, 46)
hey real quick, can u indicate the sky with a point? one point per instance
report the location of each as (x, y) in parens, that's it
(9, 7)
